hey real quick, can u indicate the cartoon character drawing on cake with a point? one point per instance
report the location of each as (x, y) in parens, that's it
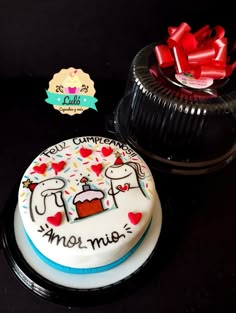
(72, 83)
(125, 181)
(46, 196)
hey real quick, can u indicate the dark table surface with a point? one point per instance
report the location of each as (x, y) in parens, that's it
(194, 266)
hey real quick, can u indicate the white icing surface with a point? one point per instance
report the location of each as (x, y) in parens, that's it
(88, 195)
(94, 280)
(53, 220)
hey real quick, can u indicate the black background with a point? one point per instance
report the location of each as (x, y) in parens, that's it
(38, 38)
(194, 269)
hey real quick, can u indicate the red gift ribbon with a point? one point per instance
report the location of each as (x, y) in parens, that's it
(201, 54)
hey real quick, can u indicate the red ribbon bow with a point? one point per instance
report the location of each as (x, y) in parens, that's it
(202, 54)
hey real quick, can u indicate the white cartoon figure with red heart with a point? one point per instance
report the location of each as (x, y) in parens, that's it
(46, 197)
(125, 184)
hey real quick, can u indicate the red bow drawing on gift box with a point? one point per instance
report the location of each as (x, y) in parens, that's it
(200, 54)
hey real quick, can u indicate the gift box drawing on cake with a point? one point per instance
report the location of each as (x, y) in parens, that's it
(88, 194)
(71, 91)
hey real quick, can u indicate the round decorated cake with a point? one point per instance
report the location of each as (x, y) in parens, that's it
(87, 203)
(179, 105)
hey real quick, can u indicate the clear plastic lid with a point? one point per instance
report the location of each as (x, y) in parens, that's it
(179, 127)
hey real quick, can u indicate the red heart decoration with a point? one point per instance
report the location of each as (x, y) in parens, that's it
(58, 166)
(40, 169)
(55, 219)
(97, 168)
(84, 152)
(107, 151)
(135, 217)
(123, 188)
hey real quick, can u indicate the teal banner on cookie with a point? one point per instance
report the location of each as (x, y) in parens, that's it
(71, 100)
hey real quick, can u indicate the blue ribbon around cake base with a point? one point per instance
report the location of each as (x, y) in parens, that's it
(99, 269)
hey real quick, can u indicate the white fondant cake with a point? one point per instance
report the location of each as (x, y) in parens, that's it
(86, 202)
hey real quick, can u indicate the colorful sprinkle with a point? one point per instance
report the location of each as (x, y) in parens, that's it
(73, 189)
(75, 165)
(67, 192)
(59, 155)
(69, 198)
(85, 163)
(68, 154)
(72, 175)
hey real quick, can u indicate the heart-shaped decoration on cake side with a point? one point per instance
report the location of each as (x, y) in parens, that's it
(135, 217)
(96, 168)
(85, 152)
(107, 151)
(58, 166)
(40, 169)
(56, 219)
(124, 187)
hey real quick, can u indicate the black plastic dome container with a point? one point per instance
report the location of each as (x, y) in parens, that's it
(177, 128)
